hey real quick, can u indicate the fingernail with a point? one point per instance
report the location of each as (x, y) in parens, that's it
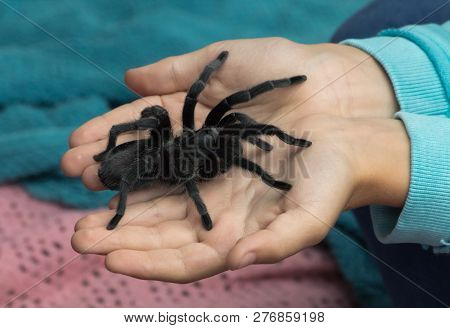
(248, 259)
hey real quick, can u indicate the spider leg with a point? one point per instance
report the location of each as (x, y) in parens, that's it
(193, 192)
(246, 120)
(259, 143)
(197, 87)
(113, 134)
(163, 132)
(126, 184)
(266, 177)
(267, 129)
(143, 123)
(243, 96)
(164, 128)
(123, 193)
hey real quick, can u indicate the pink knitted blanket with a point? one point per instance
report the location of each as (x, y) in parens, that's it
(38, 268)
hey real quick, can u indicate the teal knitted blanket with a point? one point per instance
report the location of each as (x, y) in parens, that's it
(62, 63)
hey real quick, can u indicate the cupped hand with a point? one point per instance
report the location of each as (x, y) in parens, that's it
(342, 81)
(162, 238)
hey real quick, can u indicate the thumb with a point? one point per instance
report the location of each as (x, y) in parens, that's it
(291, 232)
(171, 74)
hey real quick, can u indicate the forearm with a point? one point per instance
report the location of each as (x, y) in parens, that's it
(416, 60)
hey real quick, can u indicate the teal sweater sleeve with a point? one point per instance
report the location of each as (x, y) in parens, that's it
(416, 59)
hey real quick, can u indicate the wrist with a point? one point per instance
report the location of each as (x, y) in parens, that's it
(363, 87)
(383, 160)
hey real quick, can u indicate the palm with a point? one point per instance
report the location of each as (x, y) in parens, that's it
(161, 237)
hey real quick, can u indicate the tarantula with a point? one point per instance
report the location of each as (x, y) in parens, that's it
(194, 155)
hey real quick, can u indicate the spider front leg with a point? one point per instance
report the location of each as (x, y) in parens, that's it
(194, 91)
(151, 118)
(164, 130)
(266, 177)
(216, 114)
(192, 189)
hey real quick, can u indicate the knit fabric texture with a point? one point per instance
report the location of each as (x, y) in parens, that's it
(417, 58)
(36, 248)
(62, 62)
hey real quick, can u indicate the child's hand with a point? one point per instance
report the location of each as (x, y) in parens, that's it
(342, 80)
(162, 238)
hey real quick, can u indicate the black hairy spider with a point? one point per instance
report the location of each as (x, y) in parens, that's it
(194, 155)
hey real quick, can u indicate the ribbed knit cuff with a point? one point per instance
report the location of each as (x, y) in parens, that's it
(416, 83)
(425, 217)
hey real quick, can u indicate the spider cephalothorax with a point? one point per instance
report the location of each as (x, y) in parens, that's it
(194, 155)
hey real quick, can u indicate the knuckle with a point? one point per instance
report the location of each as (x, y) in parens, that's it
(184, 280)
(277, 252)
(72, 162)
(66, 165)
(273, 250)
(87, 237)
(74, 139)
(322, 233)
(110, 263)
(129, 77)
(175, 73)
(82, 240)
(140, 104)
(319, 235)
(132, 111)
(81, 135)
(215, 47)
(85, 222)
(280, 40)
(75, 243)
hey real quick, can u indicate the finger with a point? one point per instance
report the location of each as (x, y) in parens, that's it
(77, 159)
(181, 265)
(288, 234)
(145, 214)
(171, 74)
(91, 179)
(148, 194)
(169, 234)
(98, 127)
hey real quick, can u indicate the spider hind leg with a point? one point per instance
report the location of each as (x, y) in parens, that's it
(268, 129)
(193, 192)
(127, 184)
(123, 193)
(246, 121)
